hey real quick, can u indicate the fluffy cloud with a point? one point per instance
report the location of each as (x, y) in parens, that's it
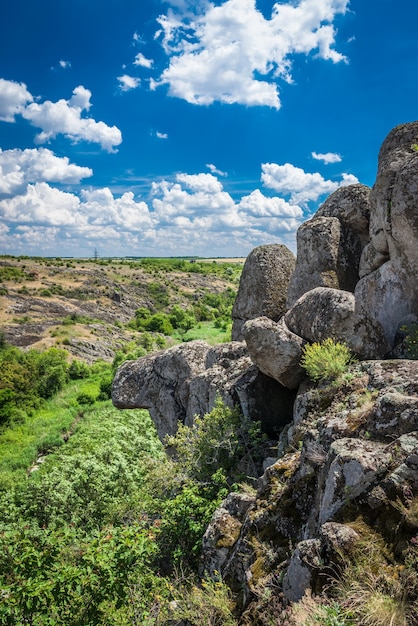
(13, 98)
(190, 214)
(231, 53)
(192, 196)
(161, 135)
(128, 82)
(43, 205)
(20, 167)
(214, 170)
(61, 117)
(64, 117)
(327, 157)
(302, 187)
(124, 212)
(141, 60)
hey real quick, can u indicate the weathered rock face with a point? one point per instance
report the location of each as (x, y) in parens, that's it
(275, 350)
(184, 381)
(263, 286)
(387, 294)
(330, 244)
(322, 313)
(350, 467)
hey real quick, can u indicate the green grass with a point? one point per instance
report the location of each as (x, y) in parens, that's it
(41, 431)
(206, 331)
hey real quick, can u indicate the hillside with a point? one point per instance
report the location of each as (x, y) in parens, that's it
(86, 305)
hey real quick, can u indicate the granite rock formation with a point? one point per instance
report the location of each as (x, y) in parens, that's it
(184, 381)
(263, 286)
(346, 471)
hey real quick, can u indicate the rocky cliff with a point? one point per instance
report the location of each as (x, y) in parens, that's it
(346, 473)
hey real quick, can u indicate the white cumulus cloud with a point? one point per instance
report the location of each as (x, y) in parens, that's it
(141, 60)
(128, 82)
(301, 186)
(231, 53)
(13, 98)
(327, 157)
(65, 117)
(18, 168)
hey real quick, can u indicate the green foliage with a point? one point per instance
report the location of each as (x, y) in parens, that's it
(156, 323)
(182, 319)
(56, 577)
(78, 370)
(85, 538)
(83, 482)
(411, 340)
(28, 377)
(217, 441)
(159, 323)
(16, 274)
(326, 360)
(159, 294)
(85, 398)
(208, 603)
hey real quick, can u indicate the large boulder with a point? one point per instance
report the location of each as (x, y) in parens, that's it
(330, 244)
(387, 294)
(275, 350)
(263, 286)
(184, 381)
(276, 347)
(323, 313)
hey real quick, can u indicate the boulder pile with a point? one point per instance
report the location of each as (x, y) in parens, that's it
(347, 459)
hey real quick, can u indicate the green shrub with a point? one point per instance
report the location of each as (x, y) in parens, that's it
(326, 360)
(159, 323)
(217, 441)
(411, 340)
(78, 370)
(85, 398)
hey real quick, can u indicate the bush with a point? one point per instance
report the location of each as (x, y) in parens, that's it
(159, 323)
(78, 370)
(85, 398)
(326, 360)
(217, 441)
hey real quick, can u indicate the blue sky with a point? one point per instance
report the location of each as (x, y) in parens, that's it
(153, 128)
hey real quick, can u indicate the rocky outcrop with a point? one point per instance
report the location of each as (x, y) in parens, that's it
(330, 244)
(179, 383)
(356, 268)
(387, 293)
(263, 286)
(349, 466)
(346, 470)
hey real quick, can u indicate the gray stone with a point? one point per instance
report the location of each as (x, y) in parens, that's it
(304, 563)
(275, 350)
(330, 244)
(322, 313)
(177, 384)
(263, 286)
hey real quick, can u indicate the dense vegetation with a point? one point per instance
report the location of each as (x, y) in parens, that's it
(106, 529)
